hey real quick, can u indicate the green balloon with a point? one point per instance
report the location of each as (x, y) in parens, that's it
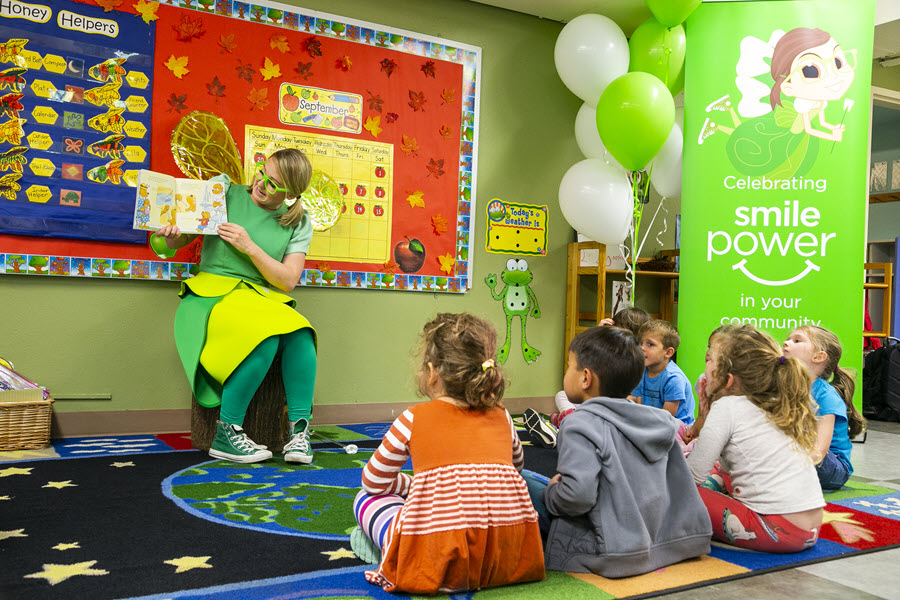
(160, 247)
(635, 115)
(658, 50)
(672, 12)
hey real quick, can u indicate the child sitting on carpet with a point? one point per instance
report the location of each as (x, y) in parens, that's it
(623, 502)
(753, 458)
(464, 520)
(663, 385)
(837, 419)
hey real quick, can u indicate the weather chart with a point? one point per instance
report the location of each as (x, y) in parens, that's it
(388, 119)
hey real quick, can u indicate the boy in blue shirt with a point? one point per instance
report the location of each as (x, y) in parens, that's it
(664, 385)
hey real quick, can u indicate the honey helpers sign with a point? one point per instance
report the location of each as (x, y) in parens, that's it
(775, 170)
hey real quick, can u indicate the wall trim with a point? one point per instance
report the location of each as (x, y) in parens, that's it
(128, 422)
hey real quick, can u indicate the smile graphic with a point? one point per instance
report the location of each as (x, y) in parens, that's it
(810, 266)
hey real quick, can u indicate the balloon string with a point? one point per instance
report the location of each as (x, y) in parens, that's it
(629, 272)
(665, 224)
(667, 49)
(650, 226)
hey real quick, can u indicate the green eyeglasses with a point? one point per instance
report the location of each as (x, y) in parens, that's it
(269, 183)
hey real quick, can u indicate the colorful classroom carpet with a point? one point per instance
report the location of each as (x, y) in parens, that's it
(147, 517)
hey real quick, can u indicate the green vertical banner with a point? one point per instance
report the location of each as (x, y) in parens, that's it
(775, 189)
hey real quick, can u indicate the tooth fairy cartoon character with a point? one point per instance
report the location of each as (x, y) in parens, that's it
(777, 124)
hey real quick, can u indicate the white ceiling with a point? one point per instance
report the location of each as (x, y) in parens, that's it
(628, 14)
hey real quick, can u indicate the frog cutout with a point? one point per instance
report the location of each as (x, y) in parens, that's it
(518, 301)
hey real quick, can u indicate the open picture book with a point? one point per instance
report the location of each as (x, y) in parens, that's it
(194, 206)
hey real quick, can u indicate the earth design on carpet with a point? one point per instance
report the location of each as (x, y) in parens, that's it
(313, 500)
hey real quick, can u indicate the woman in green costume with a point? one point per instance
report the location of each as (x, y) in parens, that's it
(230, 325)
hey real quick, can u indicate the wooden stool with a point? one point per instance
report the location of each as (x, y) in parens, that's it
(266, 421)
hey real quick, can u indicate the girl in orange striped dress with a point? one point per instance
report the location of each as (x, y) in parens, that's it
(464, 520)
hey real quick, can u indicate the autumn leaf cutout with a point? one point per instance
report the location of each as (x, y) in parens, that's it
(312, 46)
(408, 145)
(215, 89)
(227, 43)
(343, 63)
(446, 263)
(279, 42)
(438, 224)
(388, 67)
(270, 70)
(373, 125)
(188, 28)
(416, 100)
(178, 66)
(147, 10)
(177, 103)
(257, 98)
(435, 167)
(416, 199)
(109, 5)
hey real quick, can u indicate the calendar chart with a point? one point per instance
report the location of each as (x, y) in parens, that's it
(364, 172)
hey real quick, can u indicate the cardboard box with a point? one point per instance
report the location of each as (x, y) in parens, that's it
(590, 258)
(29, 395)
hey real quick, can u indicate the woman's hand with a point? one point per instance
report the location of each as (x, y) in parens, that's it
(174, 238)
(237, 236)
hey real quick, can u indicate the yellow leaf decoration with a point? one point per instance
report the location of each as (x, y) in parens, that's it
(415, 199)
(147, 10)
(178, 66)
(279, 42)
(373, 125)
(446, 263)
(270, 70)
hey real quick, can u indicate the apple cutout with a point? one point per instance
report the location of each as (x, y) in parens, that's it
(344, 189)
(378, 210)
(361, 191)
(380, 172)
(409, 255)
(379, 192)
(359, 208)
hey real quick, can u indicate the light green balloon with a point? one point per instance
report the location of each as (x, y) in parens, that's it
(659, 50)
(634, 117)
(160, 247)
(672, 12)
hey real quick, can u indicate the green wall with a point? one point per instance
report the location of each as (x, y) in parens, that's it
(83, 336)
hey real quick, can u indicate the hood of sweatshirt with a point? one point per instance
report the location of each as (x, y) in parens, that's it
(651, 430)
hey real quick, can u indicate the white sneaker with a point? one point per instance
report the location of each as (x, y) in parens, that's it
(297, 450)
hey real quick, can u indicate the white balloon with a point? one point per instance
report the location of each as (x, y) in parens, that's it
(588, 138)
(666, 174)
(591, 51)
(596, 200)
(679, 117)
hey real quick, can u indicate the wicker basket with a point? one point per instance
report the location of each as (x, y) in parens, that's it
(25, 425)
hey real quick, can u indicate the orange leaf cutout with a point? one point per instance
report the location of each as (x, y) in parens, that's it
(446, 132)
(408, 145)
(373, 125)
(435, 167)
(270, 70)
(324, 267)
(108, 5)
(428, 69)
(446, 263)
(257, 98)
(343, 63)
(226, 42)
(389, 266)
(439, 224)
(416, 101)
(279, 42)
(147, 10)
(189, 28)
(178, 66)
(416, 199)
(447, 96)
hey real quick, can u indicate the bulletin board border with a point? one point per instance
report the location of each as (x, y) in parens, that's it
(347, 29)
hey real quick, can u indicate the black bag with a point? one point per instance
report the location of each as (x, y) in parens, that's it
(881, 382)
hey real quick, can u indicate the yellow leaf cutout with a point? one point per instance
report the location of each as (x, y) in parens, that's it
(270, 70)
(446, 263)
(178, 66)
(280, 42)
(373, 125)
(415, 199)
(147, 10)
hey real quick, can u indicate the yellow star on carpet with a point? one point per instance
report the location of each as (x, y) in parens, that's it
(12, 534)
(60, 484)
(122, 464)
(339, 553)
(67, 546)
(15, 471)
(186, 563)
(57, 573)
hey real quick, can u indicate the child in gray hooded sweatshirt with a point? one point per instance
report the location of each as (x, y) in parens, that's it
(623, 501)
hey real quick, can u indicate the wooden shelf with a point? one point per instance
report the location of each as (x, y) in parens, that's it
(884, 197)
(885, 287)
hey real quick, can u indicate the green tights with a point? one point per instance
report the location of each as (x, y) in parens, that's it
(298, 371)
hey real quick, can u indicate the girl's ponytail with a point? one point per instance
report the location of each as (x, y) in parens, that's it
(843, 382)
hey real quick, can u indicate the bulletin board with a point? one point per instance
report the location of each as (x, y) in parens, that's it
(391, 116)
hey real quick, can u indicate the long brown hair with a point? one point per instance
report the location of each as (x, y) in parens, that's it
(789, 47)
(777, 384)
(461, 348)
(843, 381)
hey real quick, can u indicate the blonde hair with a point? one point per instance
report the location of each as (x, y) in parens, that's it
(461, 348)
(664, 330)
(841, 380)
(777, 384)
(295, 172)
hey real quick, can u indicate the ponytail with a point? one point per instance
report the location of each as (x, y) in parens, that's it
(844, 384)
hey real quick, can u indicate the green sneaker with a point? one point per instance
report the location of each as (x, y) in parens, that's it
(297, 450)
(231, 443)
(364, 548)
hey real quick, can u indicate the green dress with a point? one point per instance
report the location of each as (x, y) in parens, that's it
(228, 308)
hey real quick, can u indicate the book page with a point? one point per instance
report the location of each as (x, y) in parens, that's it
(194, 206)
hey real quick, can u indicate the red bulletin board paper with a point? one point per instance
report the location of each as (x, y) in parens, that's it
(235, 68)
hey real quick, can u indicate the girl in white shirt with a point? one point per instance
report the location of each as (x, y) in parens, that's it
(753, 457)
